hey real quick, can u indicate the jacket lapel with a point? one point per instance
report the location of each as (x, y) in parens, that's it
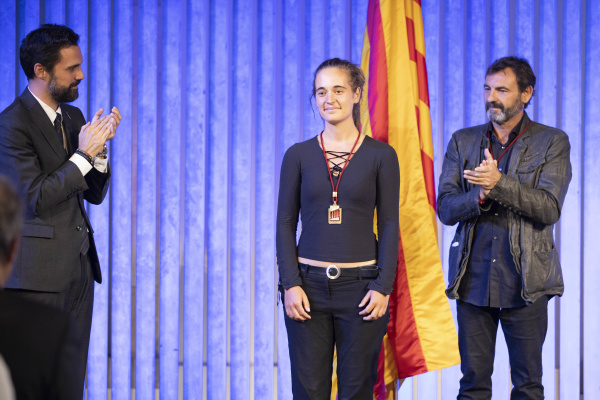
(519, 147)
(476, 151)
(71, 132)
(42, 122)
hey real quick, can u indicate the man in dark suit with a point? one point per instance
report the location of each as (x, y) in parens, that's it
(56, 160)
(36, 341)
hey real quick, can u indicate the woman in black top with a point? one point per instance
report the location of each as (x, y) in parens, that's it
(336, 283)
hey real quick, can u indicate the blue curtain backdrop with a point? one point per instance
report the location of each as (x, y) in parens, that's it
(213, 93)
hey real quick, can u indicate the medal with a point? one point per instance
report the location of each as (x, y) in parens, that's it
(335, 211)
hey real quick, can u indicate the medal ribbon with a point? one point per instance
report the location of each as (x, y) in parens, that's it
(511, 143)
(335, 189)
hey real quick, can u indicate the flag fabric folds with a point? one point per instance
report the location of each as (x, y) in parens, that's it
(421, 336)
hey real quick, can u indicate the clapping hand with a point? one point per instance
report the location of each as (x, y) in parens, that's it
(486, 175)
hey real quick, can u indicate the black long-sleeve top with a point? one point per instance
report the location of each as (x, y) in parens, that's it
(371, 181)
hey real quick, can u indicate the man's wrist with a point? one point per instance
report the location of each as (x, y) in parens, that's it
(103, 155)
(85, 155)
(481, 196)
(82, 164)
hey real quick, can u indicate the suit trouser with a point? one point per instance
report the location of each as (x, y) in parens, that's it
(334, 322)
(78, 301)
(524, 330)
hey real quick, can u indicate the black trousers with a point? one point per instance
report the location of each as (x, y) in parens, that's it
(524, 330)
(78, 301)
(334, 322)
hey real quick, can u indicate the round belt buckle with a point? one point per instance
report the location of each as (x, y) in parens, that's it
(333, 272)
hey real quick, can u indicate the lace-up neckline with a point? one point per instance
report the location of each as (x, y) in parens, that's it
(337, 158)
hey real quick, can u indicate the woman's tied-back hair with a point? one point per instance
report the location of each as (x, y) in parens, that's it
(356, 78)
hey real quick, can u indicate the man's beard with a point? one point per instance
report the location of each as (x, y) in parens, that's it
(505, 114)
(62, 94)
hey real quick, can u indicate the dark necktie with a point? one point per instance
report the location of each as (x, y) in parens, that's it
(58, 129)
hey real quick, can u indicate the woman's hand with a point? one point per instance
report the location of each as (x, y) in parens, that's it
(376, 305)
(296, 304)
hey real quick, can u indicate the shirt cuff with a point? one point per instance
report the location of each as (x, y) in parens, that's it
(83, 165)
(374, 285)
(294, 282)
(101, 164)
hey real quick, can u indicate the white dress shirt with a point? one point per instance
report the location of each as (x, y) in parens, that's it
(83, 165)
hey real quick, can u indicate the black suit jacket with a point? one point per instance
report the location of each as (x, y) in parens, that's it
(39, 348)
(57, 231)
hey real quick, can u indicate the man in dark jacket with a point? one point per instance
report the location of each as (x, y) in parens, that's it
(56, 161)
(504, 182)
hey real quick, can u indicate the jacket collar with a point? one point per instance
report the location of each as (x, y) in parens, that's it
(51, 113)
(42, 122)
(518, 147)
(71, 129)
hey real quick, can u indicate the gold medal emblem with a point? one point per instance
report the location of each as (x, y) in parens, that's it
(335, 214)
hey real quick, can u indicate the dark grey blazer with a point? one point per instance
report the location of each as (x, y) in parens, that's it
(57, 231)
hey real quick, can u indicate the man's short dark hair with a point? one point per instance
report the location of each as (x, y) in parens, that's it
(43, 46)
(11, 218)
(521, 68)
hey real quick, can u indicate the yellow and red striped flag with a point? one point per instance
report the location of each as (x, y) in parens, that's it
(421, 335)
